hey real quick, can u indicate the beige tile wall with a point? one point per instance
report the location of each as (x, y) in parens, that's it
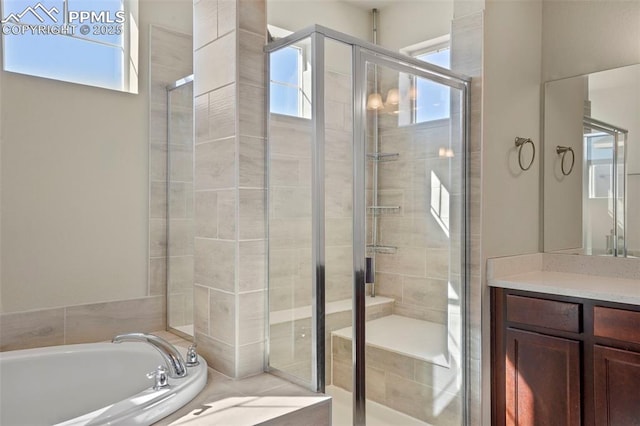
(417, 274)
(229, 184)
(80, 324)
(290, 231)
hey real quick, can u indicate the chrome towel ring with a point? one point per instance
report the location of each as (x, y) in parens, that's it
(562, 150)
(520, 142)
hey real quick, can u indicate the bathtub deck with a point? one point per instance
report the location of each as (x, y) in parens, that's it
(258, 399)
(423, 340)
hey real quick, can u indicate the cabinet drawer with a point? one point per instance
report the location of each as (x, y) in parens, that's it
(551, 314)
(618, 324)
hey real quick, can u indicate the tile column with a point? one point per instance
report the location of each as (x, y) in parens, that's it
(229, 265)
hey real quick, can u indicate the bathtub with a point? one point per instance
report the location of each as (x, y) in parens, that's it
(90, 384)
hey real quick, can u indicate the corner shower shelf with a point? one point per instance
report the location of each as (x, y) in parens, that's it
(383, 156)
(383, 209)
(381, 249)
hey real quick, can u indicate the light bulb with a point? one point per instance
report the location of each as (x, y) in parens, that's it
(374, 102)
(393, 97)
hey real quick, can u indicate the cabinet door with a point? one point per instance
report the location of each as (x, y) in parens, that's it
(542, 380)
(616, 378)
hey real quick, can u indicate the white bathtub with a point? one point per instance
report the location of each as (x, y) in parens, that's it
(90, 384)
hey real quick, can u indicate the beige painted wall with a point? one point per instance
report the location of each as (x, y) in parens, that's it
(340, 16)
(404, 23)
(581, 37)
(511, 107)
(400, 23)
(75, 184)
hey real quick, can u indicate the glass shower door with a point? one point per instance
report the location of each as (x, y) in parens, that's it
(366, 229)
(413, 237)
(180, 218)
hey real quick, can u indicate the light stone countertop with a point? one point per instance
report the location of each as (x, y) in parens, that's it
(262, 399)
(577, 285)
(575, 276)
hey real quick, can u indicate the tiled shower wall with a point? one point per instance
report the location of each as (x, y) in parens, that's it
(170, 60)
(416, 276)
(290, 231)
(290, 187)
(229, 259)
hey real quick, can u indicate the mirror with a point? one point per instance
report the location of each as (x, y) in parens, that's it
(591, 166)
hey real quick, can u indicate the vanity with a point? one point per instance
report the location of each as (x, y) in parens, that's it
(565, 340)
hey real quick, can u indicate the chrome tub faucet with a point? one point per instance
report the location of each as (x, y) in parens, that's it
(175, 364)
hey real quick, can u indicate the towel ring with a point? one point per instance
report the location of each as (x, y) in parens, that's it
(520, 142)
(563, 150)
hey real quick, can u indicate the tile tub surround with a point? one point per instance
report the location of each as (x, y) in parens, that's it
(89, 323)
(261, 399)
(591, 277)
(418, 380)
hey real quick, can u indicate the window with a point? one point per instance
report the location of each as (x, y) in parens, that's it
(91, 42)
(599, 159)
(287, 96)
(432, 100)
(289, 82)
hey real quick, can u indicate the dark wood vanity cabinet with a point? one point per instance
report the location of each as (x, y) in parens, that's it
(564, 361)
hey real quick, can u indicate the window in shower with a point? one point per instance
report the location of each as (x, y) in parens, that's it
(93, 43)
(289, 83)
(599, 148)
(430, 101)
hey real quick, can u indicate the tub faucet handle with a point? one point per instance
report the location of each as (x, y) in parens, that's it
(192, 356)
(161, 378)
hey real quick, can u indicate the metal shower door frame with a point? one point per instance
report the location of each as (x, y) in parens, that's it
(362, 52)
(361, 57)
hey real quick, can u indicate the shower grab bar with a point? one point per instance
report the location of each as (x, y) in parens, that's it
(562, 150)
(520, 143)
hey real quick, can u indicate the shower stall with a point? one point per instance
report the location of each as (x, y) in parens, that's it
(366, 186)
(604, 188)
(180, 209)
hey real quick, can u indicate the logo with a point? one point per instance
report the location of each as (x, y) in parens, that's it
(39, 20)
(38, 10)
